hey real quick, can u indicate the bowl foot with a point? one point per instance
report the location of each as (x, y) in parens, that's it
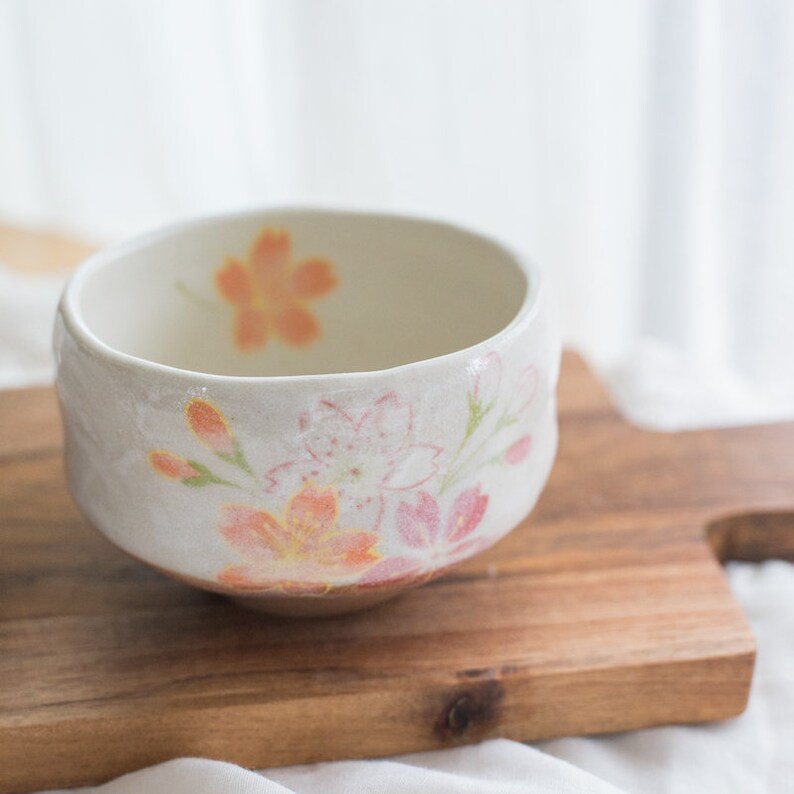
(314, 606)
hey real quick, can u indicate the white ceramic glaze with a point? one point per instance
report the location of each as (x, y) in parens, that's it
(305, 409)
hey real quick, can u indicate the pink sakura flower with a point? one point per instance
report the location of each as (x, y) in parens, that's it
(524, 391)
(487, 386)
(365, 457)
(487, 380)
(432, 543)
(517, 452)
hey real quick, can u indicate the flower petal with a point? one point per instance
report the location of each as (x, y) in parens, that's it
(326, 430)
(254, 533)
(524, 391)
(386, 426)
(311, 513)
(270, 258)
(466, 514)
(275, 479)
(313, 278)
(302, 588)
(487, 380)
(233, 282)
(209, 426)
(517, 452)
(172, 466)
(243, 577)
(297, 326)
(413, 466)
(250, 329)
(391, 571)
(350, 550)
(468, 548)
(418, 523)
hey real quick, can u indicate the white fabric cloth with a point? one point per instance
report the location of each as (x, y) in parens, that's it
(751, 754)
(27, 309)
(497, 766)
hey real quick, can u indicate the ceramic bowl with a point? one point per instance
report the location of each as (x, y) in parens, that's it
(306, 410)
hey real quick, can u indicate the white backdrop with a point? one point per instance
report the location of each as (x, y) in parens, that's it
(641, 151)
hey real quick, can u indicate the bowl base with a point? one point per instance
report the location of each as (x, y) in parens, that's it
(315, 606)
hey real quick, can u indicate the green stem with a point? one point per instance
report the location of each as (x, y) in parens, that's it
(196, 298)
(456, 470)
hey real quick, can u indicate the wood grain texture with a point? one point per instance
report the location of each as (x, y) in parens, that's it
(606, 610)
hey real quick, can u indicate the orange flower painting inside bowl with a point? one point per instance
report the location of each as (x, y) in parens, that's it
(270, 294)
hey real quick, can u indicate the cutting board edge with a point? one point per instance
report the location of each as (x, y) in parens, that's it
(510, 705)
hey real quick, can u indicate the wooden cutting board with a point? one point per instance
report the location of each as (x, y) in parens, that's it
(606, 610)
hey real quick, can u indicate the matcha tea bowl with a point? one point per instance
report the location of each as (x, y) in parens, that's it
(308, 411)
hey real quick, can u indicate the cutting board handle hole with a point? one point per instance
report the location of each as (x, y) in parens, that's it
(753, 537)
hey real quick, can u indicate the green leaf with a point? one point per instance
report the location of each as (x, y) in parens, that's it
(237, 459)
(476, 414)
(206, 477)
(188, 293)
(198, 482)
(201, 468)
(506, 421)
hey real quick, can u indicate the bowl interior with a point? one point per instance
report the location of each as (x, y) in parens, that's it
(295, 293)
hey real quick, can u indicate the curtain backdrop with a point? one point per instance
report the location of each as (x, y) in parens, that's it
(642, 152)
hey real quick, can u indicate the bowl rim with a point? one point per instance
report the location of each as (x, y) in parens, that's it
(71, 315)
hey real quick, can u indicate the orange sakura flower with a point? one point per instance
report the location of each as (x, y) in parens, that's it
(303, 552)
(188, 472)
(173, 467)
(209, 426)
(270, 294)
